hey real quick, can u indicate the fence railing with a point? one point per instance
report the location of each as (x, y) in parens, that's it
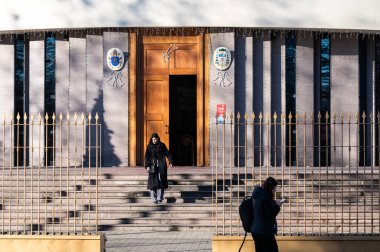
(327, 167)
(50, 174)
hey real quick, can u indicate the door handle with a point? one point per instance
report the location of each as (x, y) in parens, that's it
(167, 130)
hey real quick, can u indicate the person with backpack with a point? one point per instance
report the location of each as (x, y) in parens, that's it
(265, 210)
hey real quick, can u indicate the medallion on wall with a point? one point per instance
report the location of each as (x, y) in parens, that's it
(115, 61)
(222, 61)
(222, 58)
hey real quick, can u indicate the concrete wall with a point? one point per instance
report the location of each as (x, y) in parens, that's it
(7, 73)
(244, 94)
(301, 243)
(45, 243)
(36, 99)
(344, 97)
(62, 95)
(277, 98)
(77, 71)
(222, 91)
(268, 97)
(94, 91)
(305, 96)
(62, 75)
(258, 90)
(115, 127)
(77, 96)
(81, 75)
(260, 84)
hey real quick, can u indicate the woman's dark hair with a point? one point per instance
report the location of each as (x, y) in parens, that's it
(155, 135)
(269, 184)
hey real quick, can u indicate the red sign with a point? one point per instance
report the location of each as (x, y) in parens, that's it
(220, 112)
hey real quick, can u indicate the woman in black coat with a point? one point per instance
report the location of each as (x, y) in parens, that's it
(155, 163)
(265, 210)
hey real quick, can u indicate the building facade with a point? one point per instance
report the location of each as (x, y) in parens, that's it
(171, 81)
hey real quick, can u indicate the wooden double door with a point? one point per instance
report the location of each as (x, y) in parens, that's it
(163, 57)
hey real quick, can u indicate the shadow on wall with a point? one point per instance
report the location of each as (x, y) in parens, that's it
(240, 94)
(107, 148)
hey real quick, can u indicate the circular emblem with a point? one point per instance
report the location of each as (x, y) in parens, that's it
(222, 58)
(115, 59)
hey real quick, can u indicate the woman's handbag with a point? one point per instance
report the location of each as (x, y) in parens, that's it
(153, 167)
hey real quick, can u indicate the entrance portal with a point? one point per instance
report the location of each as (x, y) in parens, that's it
(177, 113)
(183, 123)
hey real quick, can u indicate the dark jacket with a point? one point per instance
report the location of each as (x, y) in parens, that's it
(157, 153)
(265, 211)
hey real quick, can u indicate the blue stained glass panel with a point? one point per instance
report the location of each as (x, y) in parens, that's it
(50, 91)
(290, 83)
(19, 100)
(325, 64)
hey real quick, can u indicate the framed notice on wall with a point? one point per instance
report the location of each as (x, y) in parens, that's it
(220, 112)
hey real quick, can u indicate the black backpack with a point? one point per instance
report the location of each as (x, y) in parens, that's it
(246, 215)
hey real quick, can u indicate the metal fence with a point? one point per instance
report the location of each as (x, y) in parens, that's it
(50, 174)
(327, 167)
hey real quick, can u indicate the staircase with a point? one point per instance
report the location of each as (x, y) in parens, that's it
(68, 205)
(127, 207)
(325, 203)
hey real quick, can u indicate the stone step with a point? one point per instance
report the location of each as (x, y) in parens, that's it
(206, 183)
(149, 206)
(144, 177)
(155, 227)
(13, 195)
(172, 214)
(171, 200)
(205, 221)
(220, 200)
(294, 175)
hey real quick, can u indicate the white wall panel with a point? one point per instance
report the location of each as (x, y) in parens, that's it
(36, 99)
(305, 95)
(344, 97)
(115, 127)
(94, 90)
(7, 72)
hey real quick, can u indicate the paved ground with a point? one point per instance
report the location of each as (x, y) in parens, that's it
(159, 241)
